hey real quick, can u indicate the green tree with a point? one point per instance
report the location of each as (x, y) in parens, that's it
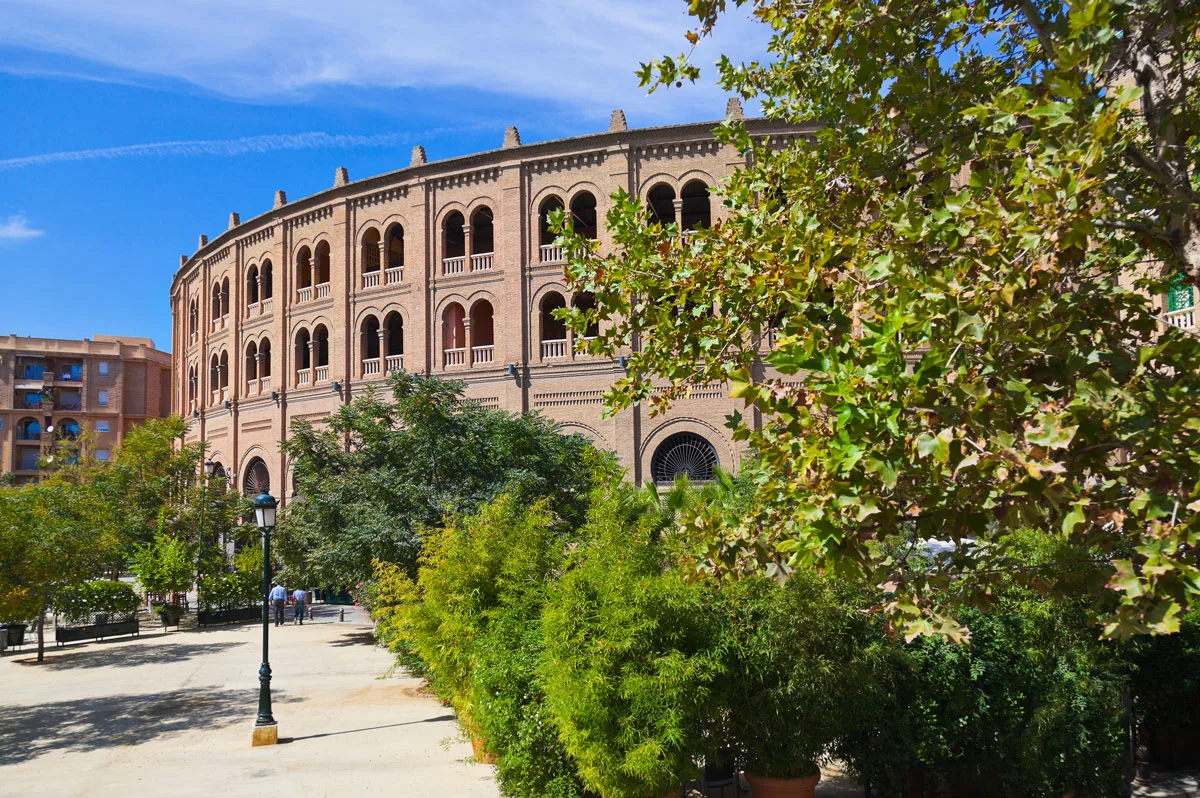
(382, 471)
(52, 535)
(956, 273)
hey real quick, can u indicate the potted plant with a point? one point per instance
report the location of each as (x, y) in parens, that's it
(796, 678)
(164, 566)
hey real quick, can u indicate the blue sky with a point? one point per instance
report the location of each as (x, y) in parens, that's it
(132, 126)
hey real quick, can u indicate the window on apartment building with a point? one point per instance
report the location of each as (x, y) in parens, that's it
(103, 368)
(102, 455)
(102, 399)
(101, 426)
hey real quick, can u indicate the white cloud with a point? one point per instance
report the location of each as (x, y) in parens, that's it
(581, 53)
(224, 147)
(16, 228)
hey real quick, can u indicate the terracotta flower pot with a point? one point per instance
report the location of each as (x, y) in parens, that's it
(479, 749)
(767, 787)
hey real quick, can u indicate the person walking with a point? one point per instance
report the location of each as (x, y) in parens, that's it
(301, 599)
(278, 598)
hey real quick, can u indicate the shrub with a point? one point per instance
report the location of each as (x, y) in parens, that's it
(1032, 706)
(632, 654)
(471, 623)
(78, 603)
(163, 565)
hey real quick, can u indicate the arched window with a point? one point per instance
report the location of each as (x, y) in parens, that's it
(193, 385)
(265, 272)
(482, 240)
(683, 454)
(321, 346)
(454, 243)
(661, 201)
(585, 300)
(370, 253)
(696, 212)
(215, 308)
(554, 330)
(321, 263)
(583, 213)
(219, 471)
(225, 297)
(251, 363)
(264, 359)
(368, 345)
(395, 247)
(303, 357)
(454, 335)
(67, 429)
(252, 285)
(483, 348)
(29, 429)
(304, 270)
(214, 376)
(194, 318)
(393, 339)
(257, 478)
(548, 252)
(224, 370)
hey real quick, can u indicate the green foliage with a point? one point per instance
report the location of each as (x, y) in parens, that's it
(472, 619)
(952, 276)
(409, 462)
(241, 587)
(1033, 706)
(77, 603)
(633, 654)
(803, 671)
(163, 565)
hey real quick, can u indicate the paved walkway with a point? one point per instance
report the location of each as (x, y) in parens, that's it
(172, 714)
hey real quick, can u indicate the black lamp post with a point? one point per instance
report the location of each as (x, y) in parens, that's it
(266, 732)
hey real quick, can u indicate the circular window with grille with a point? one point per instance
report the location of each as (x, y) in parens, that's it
(257, 479)
(684, 453)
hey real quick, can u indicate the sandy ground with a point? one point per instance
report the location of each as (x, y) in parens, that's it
(172, 714)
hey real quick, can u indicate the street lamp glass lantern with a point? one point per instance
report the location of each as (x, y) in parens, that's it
(264, 510)
(209, 467)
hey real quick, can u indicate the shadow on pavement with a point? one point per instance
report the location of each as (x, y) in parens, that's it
(129, 656)
(438, 719)
(91, 724)
(358, 637)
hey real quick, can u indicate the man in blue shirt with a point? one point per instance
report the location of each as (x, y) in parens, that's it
(278, 597)
(300, 598)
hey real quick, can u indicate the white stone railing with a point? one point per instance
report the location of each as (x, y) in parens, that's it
(551, 253)
(267, 305)
(252, 388)
(482, 354)
(264, 384)
(371, 367)
(481, 262)
(371, 279)
(253, 309)
(304, 376)
(218, 323)
(394, 275)
(321, 374)
(224, 394)
(553, 349)
(455, 357)
(454, 265)
(395, 364)
(216, 398)
(1183, 319)
(322, 291)
(304, 294)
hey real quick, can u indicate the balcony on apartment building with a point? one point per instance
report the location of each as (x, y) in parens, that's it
(68, 400)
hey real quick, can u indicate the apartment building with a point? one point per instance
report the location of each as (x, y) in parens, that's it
(55, 393)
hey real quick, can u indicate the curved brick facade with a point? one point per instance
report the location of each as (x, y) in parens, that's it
(439, 268)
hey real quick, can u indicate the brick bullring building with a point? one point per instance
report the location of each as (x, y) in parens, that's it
(444, 268)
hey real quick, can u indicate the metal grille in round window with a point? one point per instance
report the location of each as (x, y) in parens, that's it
(257, 479)
(683, 453)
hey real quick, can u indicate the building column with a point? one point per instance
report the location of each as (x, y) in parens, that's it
(468, 355)
(466, 247)
(383, 257)
(678, 203)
